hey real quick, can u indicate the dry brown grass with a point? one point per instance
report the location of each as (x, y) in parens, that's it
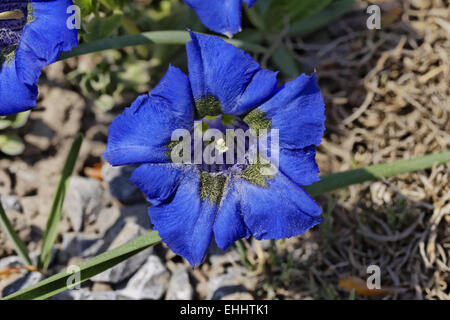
(388, 97)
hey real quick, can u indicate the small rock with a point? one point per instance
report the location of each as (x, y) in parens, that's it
(39, 134)
(137, 214)
(107, 217)
(179, 286)
(224, 285)
(24, 282)
(79, 245)
(217, 256)
(98, 286)
(5, 182)
(128, 267)
(421, 4)
(150, 282)
(264, 244)
(83, 201)
(120, 187)
(25, 180)
(11, 203)
(35, 255)
(11, 262)
(85, 294)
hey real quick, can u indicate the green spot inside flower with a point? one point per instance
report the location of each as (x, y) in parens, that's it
(209, 106)
(258, 120)
(7, 55)
(171, 145)
(212, 187)
(228, 120)
(30, 17)
(253, 174)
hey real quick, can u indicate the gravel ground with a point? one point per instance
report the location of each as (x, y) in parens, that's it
(388, 97)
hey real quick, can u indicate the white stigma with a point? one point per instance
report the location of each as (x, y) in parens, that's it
(221, 146)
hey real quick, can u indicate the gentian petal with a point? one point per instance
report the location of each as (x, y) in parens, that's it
(300, 165)
(44, 38)
(220, 70)
(222, 16)
(142, 132)
(15, 96)
(185, 223)
(157, 181)
(297, 111)
(280, 210)
(41, 41)
(229, 225)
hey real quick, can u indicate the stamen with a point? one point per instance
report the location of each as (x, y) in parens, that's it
(221, 146)
(12, 15)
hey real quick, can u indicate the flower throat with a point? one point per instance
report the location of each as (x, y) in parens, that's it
(13, 18)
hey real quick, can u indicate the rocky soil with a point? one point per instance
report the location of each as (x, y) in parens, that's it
(387, 94)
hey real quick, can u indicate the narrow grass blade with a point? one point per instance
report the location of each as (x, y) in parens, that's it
(19, 246)
(54, 217)
(352, 295)
(153, 37)
(63, 281)
(331, 182)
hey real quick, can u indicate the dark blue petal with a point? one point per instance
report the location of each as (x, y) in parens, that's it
(157, 181)
(223, 16)
(263, 85)
(297, 111)
(141, 133)
(250, 3)
(44, 38)
(40, 44)
(218, 69)
(185, 223)
(300, 165)
(229, 225)
(283, 209)
(15, 96)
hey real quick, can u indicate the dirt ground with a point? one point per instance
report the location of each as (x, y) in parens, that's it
(387, 96)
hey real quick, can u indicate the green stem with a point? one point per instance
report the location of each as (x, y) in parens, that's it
(64, 280)
(55, 215)
(331, 182)
(153, 37)
(19, 246)
(241, 249)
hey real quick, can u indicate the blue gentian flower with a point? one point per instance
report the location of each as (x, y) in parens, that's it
(28, 42)
(221, 16)
(191, 202)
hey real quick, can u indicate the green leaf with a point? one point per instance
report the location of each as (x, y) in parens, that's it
(100, 28)
(295, 10)
(86, 6)
(11, 144)
(352, 294)
(15, 121)
(60, 282)
(19, 246)
(5, 122)
(283, 59)
(154, 37)
(20, 119)
(321, 19)
(333, 181)
(54, 217)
